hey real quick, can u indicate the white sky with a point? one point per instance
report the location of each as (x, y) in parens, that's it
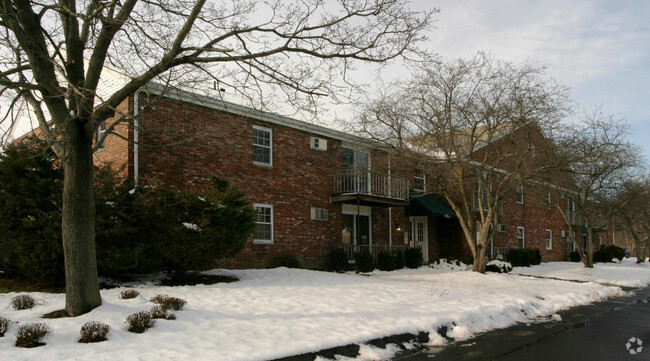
(599, 48)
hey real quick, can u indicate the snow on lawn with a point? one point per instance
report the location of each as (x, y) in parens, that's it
(627, 273)
(282, 312)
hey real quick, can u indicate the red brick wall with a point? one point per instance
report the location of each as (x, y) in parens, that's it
(210, 143)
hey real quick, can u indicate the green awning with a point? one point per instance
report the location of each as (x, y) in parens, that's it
(429, 205)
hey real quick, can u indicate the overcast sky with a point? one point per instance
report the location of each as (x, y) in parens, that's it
(600, 49)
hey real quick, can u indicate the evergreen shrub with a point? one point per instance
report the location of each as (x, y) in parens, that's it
(524, 257)
(413, 257)
(339, 260)
(363, 262)
(574, 256)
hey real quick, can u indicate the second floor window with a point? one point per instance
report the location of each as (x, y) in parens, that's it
(549, 239)
(262, 145)
(101, 129)
(419, 183)
(520, 194)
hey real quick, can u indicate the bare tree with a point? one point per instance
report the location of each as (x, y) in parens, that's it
(599, 158)
(634, 215)
(54, 53)
(475, 128)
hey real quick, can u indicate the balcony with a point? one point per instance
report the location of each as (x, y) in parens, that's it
(370, 188)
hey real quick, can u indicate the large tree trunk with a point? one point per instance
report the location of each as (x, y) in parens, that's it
(82, 285)
(480, 260)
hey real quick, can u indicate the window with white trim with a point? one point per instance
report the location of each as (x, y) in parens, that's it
(521, 237)
(419, 183)
(263, 233)
(549, 239)
(101, 129)
(548, 199)
(262, 145)
(520, 194)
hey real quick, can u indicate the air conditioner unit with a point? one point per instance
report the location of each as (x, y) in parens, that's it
(501, 227)
(318, 143)
(319, 214)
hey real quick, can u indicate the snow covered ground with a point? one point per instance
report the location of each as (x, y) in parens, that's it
(282, 312)
(627, 273)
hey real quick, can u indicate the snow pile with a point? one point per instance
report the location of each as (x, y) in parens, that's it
(281, 312)
(627, 273)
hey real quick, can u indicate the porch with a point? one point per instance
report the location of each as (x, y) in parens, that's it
(374, 250)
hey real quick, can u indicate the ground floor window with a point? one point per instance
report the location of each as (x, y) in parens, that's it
(521, 235)
(549, 239)
(263, 233)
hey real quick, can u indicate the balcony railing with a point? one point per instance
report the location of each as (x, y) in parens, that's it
(359, 181)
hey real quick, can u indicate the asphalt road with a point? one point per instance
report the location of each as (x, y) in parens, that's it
(595, 332)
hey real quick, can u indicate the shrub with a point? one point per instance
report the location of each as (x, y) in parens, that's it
(30, 234)
(23, 302)
(4, 325)
(284, 260)
(399, 258)
(168, 302)
(139, 322)
(615, 252)
(536, 257)
(498, 267)
(152, 229)
(524, 257)
(413, 257)
(363, 262)
(574, 256)
(31, 334)
(160, 312)
(339, 260)
(386, 261)
(129, 294)
(94, 331)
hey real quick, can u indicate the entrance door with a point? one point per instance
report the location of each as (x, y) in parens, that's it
(419, 236)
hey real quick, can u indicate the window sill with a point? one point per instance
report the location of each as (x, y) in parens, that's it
(263, 165)
(262, 242)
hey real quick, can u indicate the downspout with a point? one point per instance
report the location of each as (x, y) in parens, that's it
(136, 155)
(390, 209)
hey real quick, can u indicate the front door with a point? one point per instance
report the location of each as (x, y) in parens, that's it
(418, 234)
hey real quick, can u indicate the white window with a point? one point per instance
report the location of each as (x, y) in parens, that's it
(419, 183)
(521, 237)
(263, 233)
(549, 239)
(520, 194)
(600, 240)
(101, 129)
(262, 145)
(547, 199)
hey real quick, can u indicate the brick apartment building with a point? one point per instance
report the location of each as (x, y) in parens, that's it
(313, 188)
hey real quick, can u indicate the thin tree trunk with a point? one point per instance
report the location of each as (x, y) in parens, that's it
(78, 224)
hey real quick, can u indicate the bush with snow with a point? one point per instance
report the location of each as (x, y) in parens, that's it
(31, 334)
(160, 312)
(168, 302)
(94, 331)
(23, 302)
(129, 294)
(498, 266)
(140, 321)
(4, 325)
